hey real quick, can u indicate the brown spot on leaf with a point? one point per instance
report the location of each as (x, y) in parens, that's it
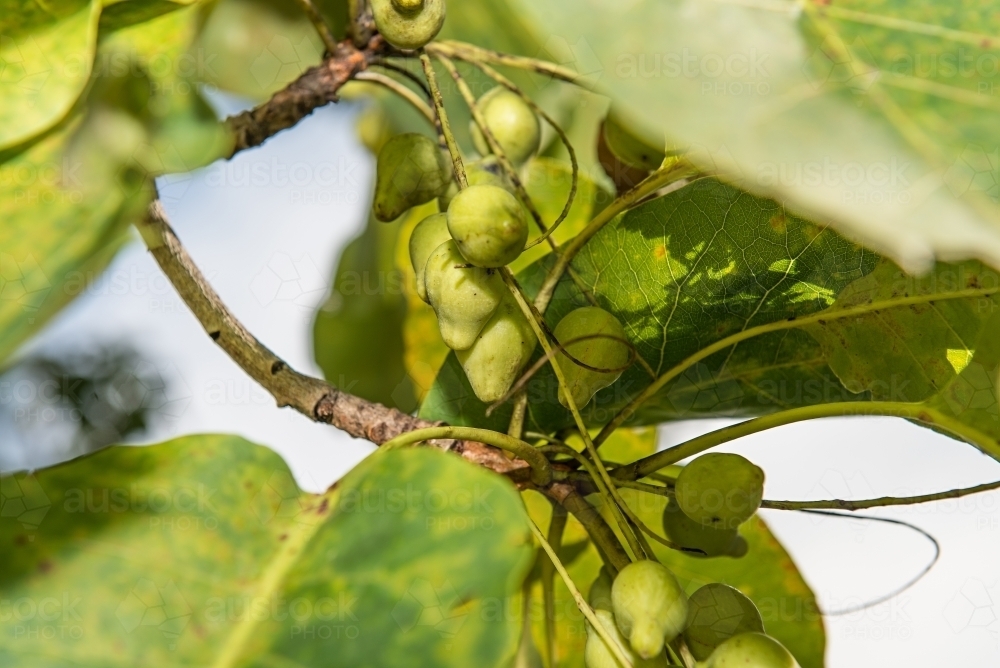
(660, 252)
(44, 566)
(324, 504)
(778, 222)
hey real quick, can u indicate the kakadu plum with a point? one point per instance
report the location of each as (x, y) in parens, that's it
(429, 233)
(720, 490)
(488, 225)
(511, 122)
(464, 298)
(649, 605)
(717, 612)
(408, 24)
(608, 351)
(410, 170)
(709, 541)
(502, 348)
(751, 650)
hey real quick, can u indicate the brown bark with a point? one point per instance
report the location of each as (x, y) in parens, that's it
(315, 88)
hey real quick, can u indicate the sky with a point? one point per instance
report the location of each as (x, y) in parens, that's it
(266, 229)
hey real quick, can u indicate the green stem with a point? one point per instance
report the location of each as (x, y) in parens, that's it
(449, 137)
(647, 465)
(467, 51)
(603, 480)
(574, 164)
(541, 471)
(605, 540)
(516, 426)
(643, 189)
(642, 526)
(505, 163)
(833, 313)
(400, 90)
(321, 28)
(581, 602)
(557, 526)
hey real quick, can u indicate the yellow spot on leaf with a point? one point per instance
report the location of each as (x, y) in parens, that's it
(959, 358)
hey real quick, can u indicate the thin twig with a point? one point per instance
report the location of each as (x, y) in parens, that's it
(321, 27)
(581, 602)
(881, 502)
(399, 89)
(442, 115)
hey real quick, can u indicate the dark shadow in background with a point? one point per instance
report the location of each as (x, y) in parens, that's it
(55, 407)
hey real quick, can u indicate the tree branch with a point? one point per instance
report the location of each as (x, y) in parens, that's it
(316, 87)
(314, 398)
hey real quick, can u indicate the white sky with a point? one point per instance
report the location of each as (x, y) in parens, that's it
(268, 248)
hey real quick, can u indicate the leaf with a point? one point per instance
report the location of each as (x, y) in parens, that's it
(828, 322)
(45, 59)
(58, 231)
(681, 272)
(203, 551)
(147, 70)
(874, 116)
(358, 331)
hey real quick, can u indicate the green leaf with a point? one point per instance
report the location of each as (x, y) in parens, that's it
(46, 54)
(358, 332)
(826, 322)
(148, 71)
(681, 272)
(58, 231)
(874, 116)
(203, 551)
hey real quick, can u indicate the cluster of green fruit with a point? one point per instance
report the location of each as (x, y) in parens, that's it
(456, 255)
(713, 495)
(644, 608)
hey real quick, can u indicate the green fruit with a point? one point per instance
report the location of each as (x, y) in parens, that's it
(411, 170)
(488, 224)
(720, 490)
(408, 24)
(511, 122)
(751, 650)
(599, 597)
(464, 298)
(684, 531)
(650, 606)
(482, 172)
(630, 147)
(429, 233)
(601, 352)
(501, 350)
(596, 654)
(717, 612)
